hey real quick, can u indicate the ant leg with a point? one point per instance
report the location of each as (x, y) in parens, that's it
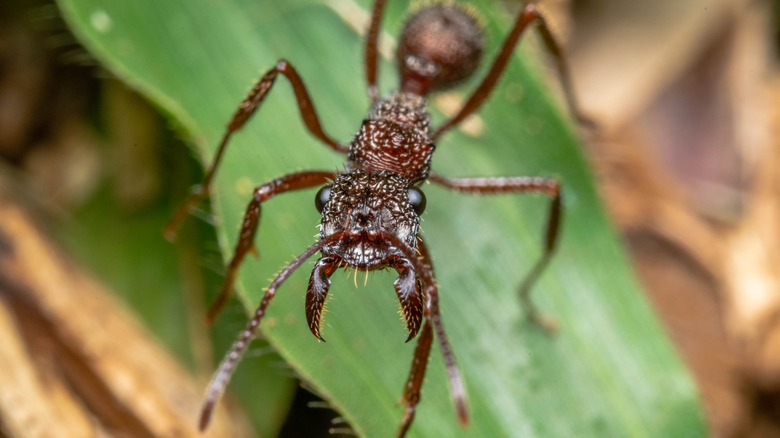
(521, 184)
(248, 107)
(424, 271)
(411, 395)
(222, 376)
(528, 15)
(245, 244)
(457, 388)
(372, 50)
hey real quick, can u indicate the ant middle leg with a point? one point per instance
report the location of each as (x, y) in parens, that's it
(246, 239)
(411, 394)
(520, 184)
(248, 107)
(527, 16)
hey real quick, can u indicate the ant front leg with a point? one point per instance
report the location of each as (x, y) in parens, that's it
(528, 15)
(521, 184)
(245, 111)
(412, 389)
(223, 374)
(411, 395)
(245, 244)
(433, 326)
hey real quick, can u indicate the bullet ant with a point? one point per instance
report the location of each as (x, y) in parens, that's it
(371, 211)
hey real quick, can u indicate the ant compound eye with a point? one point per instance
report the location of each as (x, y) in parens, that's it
(322, 197)
(417, 199)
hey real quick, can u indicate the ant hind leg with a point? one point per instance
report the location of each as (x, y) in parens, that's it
(527, 16)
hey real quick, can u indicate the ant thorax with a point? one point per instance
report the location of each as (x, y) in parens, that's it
(394, 137)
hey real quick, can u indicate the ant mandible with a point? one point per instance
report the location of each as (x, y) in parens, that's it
(371, 211)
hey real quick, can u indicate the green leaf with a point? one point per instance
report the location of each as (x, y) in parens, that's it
(609, 371)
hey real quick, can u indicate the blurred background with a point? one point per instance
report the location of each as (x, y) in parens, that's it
(685, 92)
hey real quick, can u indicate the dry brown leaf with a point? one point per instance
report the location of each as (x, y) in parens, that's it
(74, 361)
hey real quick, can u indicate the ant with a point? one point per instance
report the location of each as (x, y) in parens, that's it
(370, 212)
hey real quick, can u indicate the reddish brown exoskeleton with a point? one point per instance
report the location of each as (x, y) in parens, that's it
(371, 211)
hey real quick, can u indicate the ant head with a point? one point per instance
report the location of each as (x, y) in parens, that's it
(363, 208)
(441, 45)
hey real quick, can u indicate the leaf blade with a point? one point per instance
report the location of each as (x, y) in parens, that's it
(196, 60)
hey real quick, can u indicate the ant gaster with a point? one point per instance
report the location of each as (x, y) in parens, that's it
(371, 211)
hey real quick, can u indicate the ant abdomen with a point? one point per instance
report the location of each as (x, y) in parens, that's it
(441, 45)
